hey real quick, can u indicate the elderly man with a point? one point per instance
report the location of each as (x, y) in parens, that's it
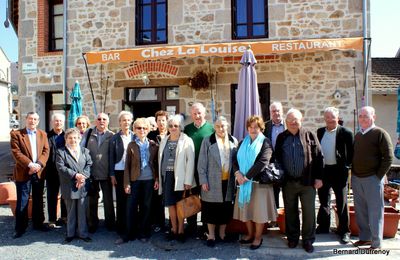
(30, 149)
(337, 147)
(98, 140)
(56, 141)
(273, 128)
(298, 151)
(197, 130)
(373, 155)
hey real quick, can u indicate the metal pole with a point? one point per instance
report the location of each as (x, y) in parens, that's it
(356, 98)
(105, 96)
(365, 49)
(65, 53)
(90, 85)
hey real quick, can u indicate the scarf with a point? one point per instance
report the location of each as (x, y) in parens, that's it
(144, 151)
(246, 156)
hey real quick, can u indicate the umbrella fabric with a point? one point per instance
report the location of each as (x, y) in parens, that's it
(247, 98)
(76, 105)
(397, 147)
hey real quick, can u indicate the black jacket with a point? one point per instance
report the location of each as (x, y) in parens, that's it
(116, 151)
(344, 146)
(313, 159)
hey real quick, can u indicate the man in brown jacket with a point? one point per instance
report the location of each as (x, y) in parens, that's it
(30, 149)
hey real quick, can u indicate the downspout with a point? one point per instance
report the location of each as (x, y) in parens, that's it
(366, 50)
(65, 51)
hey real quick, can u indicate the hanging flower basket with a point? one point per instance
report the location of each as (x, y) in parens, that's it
(200, 80)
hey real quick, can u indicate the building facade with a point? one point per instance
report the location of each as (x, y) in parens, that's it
(305, 80)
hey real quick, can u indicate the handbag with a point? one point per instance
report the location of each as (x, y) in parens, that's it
(271, 174)
(188, 206)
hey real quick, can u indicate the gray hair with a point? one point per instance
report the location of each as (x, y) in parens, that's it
(199, 106)
(71, 131)
(222, 120)
(276, 104)
(58, 115)
(295, 112)
(177, 119)
(333, 110)
(105, 115)
(32, 113)
(370, 110)
(124, 113)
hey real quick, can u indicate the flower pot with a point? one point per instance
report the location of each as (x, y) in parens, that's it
(7, 191)
(239, 227)
(281, 220)
(391, 218)
(13, 204)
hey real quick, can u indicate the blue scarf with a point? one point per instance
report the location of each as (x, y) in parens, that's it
(144, 151)
(246, 156)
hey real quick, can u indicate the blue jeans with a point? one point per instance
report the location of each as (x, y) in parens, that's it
(138, 209)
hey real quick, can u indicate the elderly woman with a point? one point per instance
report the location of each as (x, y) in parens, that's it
(217, 182)
(176, 170)
(255, 203)
(73, 166)
(140, 178)
(82, 123)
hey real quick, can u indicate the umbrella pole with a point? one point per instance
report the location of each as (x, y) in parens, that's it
(101, 86)
(356, 97)
(105, 96)
(90, 85)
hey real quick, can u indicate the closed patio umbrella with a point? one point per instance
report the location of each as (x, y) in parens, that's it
(397, 148)
(247, 98)
(76, 105)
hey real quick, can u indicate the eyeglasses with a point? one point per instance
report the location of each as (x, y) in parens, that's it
(99, 119)
(140, 128)
(173, 126)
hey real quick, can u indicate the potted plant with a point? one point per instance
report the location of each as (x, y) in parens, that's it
(7, 191)
(200, 80)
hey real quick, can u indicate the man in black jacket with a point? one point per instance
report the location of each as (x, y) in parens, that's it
(337, 147)
(298, 152)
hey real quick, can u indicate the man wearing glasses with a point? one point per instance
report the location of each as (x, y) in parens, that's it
(98, 140)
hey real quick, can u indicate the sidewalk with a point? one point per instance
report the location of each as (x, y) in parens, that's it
(38, 245)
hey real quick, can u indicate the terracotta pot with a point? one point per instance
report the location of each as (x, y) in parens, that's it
(239, 227)
(281, 220)
(7, 191)
(391, 218)
(13, 204)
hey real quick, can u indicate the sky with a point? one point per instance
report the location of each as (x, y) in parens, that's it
(385, 19)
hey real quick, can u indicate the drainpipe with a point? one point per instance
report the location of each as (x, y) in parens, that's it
(366, 50)
(65, 51)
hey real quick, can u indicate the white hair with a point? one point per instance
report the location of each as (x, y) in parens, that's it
(276, 104)
(105, 116)
(370, 110)
(221, 120)
(124, 113)
(333, 110)
(59, 116)
(199, 106)
(177, 119)
(295, 112)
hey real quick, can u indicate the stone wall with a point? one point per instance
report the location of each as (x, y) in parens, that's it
(296, 79)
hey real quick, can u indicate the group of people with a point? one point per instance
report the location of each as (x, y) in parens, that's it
(153, 169)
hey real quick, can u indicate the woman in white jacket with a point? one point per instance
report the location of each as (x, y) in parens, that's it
(176, 172)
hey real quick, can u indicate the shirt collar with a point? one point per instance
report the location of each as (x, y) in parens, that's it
(364, 131)
(31, 132)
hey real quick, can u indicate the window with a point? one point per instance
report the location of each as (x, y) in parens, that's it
(55, 25)
(250, 19)
(151, 22)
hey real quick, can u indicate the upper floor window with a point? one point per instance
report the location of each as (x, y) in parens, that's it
(55, 25)
(250, 19)
(151, 22)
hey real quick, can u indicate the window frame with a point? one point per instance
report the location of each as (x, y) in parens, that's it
(153, 23)
(52, 39)
(249, 21)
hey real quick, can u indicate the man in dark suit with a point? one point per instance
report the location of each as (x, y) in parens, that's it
(337, 147)
(273, 128)
(30, 149)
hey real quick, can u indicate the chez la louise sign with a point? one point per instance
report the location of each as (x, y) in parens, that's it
(223, 49)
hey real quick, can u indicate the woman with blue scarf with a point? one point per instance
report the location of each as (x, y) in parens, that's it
(140, 178)
(255, 203)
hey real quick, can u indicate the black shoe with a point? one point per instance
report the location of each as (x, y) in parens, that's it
(18, 234)
(60, 222)
(170, 236)
(254, 247)
(181, 238)
(308, 247)
(321, 230)
(345, 238)
(86, 239)
(43, 228)
(68, 240)
(92, 229)
(210, 242)
(293, 244)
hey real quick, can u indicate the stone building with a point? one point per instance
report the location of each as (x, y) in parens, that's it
(305, 79)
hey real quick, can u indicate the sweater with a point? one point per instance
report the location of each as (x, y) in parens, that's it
(198, 134)
(373, 153)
